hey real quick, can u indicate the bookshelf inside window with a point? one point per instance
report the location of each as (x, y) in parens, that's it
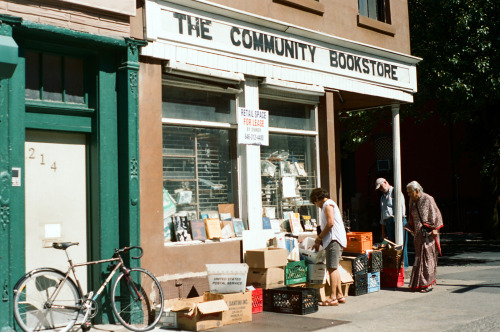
(288, 175)
(199, 161)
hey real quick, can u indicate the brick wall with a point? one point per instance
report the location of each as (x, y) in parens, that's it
(68, 16)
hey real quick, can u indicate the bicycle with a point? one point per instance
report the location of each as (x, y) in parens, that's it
(47, 299)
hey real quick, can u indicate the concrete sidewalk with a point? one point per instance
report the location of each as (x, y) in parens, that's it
(466, 298)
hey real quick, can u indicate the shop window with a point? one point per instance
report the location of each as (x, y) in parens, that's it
(199, 163)
(289, 115)
(187, 104)
(54, 78)
(289, 163)
(375, 9)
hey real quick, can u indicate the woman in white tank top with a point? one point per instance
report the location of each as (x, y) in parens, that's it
(333, 239)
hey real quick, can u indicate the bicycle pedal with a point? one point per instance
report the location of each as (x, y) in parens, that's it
(86, 326)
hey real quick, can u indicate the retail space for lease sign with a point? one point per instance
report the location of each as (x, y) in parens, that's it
(253, 126)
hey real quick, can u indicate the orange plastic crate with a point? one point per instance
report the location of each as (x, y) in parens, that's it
(359, 242)
(257, 301)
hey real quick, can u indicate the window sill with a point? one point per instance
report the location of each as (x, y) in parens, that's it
(197, 242)
(311, 6)
(369, 23)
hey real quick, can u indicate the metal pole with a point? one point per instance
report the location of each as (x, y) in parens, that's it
(398, 213)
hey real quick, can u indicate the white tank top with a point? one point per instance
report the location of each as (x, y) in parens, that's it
(338, 231)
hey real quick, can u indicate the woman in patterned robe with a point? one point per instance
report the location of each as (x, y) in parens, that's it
(425, 221)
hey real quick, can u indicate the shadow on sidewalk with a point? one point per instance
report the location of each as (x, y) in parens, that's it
(453, 244)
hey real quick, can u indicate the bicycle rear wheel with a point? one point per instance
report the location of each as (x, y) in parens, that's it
(137, 299)
(40, 298)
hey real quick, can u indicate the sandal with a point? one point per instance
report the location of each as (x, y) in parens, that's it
(426, 290)
(341, 299)
(329, 303)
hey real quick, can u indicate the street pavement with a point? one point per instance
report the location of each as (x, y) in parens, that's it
(466, 298)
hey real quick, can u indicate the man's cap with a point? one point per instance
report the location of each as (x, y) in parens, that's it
(379, 182)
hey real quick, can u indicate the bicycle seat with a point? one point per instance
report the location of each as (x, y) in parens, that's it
(63, 245)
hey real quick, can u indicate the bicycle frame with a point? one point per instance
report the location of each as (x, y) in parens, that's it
(71, 306)
(71, 269)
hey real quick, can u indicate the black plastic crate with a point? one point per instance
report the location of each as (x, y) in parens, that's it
(375, 262)
(358, 264)
(360, 285)
(291, 300)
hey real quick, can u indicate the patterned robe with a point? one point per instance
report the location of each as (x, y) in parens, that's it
(426, 248)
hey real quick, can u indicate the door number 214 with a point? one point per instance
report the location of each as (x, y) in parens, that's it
(42, 157)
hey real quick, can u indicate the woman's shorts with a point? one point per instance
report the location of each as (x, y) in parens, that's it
(333, 253)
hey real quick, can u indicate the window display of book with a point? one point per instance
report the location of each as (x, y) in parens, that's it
(198, 230)
(181, 228)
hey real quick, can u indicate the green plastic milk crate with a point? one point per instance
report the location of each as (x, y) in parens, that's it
(295, 272)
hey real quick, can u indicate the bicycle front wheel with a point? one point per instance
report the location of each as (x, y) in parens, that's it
(137, 299)
(45, 300)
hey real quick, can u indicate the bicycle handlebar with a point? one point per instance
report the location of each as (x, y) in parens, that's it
(124, 250)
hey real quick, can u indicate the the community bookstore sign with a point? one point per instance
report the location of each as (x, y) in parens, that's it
(236, 37)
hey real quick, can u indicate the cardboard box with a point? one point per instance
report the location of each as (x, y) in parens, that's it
(317, 273)
(391, 258)
(168, 320)
(355, 264)
(239, 304)
(289, 243)
(345, 277)
(273, 277)
(266, 257)
(313, 257)
(168, 317)
(308, 253)
(227, 278)
(195, 314)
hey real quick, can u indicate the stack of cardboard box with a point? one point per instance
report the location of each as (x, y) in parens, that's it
(266, 267)
(227, 302)
(208, 311)
(319, 278)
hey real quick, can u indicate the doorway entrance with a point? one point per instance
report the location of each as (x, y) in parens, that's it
(56, 199)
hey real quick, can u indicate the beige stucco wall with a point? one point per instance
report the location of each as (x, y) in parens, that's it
(339, 19)
(70, 16)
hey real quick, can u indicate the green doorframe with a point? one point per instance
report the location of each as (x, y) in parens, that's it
(128, 119)
(11, 198)
(112, 129)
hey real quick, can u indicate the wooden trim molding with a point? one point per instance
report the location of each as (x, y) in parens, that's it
(369, 23)
(312, 6)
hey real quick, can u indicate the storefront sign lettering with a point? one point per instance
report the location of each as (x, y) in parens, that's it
(194, 24)
(270, 44)
(253, 126)
(362, 65)
(284, 47)
(232, 45)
